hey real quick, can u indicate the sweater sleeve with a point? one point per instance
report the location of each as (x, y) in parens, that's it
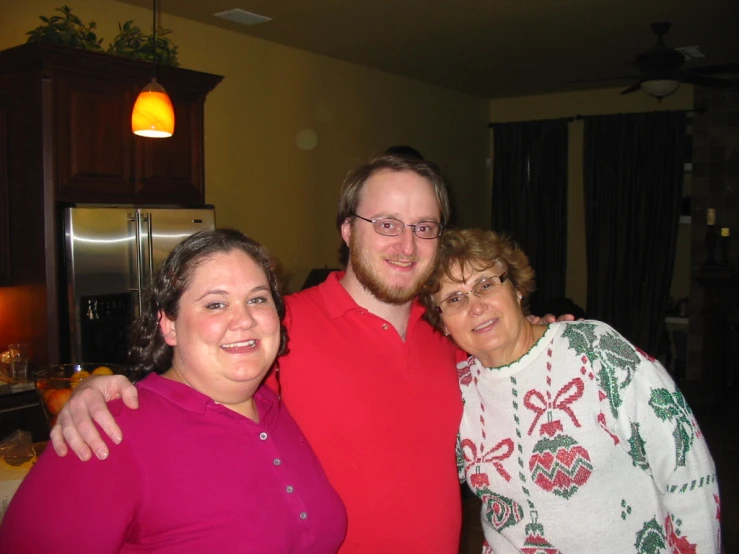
(68, 506)
(663, 438)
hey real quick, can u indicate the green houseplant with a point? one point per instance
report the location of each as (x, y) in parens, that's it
(68, 30)
(131, 42)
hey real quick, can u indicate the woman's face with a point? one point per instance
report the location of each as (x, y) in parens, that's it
(227, 331)
(488, 327)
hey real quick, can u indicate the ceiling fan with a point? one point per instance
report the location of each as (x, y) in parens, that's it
(661, 69)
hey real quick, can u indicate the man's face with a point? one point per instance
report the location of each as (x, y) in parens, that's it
(392, 269)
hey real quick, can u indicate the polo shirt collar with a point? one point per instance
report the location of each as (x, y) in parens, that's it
(192, 400)
(338, 301)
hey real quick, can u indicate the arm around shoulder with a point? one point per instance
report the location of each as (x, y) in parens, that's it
(75, 429)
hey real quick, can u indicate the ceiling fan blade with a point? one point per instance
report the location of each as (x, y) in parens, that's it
(720, 69)
(705, 81)
(633, 88)
(597, 79)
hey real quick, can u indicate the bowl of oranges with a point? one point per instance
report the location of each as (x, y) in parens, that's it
(56, 384)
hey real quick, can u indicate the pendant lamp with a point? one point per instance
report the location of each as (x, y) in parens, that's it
(153, 114)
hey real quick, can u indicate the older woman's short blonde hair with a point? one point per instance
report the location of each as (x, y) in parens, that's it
(472, 250)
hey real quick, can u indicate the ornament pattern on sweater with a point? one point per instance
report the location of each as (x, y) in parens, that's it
(558, 463)
(598, 433)
(535, 541)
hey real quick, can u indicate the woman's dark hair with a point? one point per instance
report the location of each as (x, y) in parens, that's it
(149, 351)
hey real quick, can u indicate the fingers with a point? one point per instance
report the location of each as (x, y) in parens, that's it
(84, 437)
(534, 319)
(130, 396)
(64, 435)
(75, 429)
(75, 424)
(109, 386)
(57, 440)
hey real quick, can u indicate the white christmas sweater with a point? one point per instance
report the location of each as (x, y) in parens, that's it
(585, 445)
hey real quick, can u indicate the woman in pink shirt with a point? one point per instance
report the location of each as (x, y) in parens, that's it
(212, 460)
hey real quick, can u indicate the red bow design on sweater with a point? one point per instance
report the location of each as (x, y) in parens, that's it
(566, 396)
(495, 455)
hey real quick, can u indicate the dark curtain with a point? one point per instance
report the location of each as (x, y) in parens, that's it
(633, 174)
(530, 200)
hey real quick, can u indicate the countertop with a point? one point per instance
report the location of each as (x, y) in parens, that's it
(6, 389)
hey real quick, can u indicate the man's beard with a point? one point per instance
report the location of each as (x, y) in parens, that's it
(371, 280)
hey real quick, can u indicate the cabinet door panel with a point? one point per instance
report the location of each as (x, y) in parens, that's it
(4, 207)
(94, 139)
(170, 169)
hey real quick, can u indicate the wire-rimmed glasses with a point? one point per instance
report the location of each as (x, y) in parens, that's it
(456, 302)
(391, 227)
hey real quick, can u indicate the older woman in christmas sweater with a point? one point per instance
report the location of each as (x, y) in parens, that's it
(574, 439)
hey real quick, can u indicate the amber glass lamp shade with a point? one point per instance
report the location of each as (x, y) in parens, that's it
(153, 115)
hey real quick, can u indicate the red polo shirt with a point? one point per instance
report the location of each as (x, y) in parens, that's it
(382, 415)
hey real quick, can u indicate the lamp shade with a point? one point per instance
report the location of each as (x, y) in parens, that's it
(153, 114)
(659, 87)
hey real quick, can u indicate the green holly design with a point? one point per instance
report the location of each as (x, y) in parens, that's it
(672, 406)
(651, 538)
(460, 459)
(618, 359)
(637, 451)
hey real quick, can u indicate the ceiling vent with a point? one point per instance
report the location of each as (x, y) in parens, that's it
(243, 17)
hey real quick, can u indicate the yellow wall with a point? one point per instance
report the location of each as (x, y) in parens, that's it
(256, 175)
(594, 102)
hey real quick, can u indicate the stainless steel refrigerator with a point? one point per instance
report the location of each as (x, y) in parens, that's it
(110, 254)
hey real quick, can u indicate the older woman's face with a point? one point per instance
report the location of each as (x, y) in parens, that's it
(488, 327)
(227, 331)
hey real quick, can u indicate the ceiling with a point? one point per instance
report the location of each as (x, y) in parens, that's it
(490, 48)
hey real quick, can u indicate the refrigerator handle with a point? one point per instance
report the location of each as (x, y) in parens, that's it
(139, 261)
(150, 244)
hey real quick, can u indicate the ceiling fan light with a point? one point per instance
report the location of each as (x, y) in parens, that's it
(153, 114)
(659, 88)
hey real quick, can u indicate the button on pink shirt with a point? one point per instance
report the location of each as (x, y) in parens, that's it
(191, 476)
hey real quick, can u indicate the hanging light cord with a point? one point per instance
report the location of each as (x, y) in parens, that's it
(154, 37)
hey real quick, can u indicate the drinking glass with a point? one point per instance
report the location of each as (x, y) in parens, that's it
(18, 361)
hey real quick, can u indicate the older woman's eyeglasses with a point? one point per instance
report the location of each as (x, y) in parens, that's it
(456, 302)
(391, 227)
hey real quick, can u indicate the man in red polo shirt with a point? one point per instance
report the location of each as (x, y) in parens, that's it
(371, 385)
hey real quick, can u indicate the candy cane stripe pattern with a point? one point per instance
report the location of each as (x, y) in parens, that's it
(585, 444)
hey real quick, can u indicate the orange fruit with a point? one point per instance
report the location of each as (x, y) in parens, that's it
(57, 400)
(102, 370)
(77, 377)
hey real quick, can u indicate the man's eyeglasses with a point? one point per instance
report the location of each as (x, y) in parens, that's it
(391, 227)
(457, 302)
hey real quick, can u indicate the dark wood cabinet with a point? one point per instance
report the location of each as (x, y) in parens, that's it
(100, 160)
(4, 211)
(92, 134)
(65, 138)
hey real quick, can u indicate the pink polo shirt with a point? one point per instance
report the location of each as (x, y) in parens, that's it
(190, 477)
(382, 415)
